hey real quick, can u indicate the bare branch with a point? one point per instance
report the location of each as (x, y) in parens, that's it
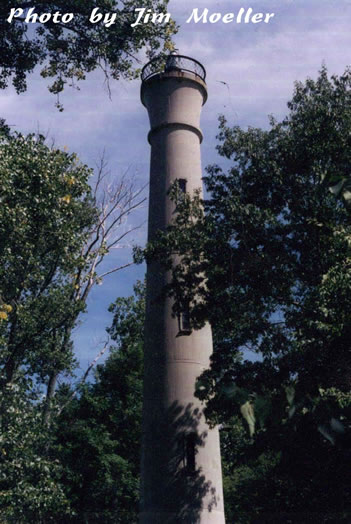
(115, 270)
(118, 240)
(127, 211)
(84, 377)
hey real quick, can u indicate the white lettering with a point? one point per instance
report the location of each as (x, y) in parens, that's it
(268, 17)
(56, 18)
(95, 16)
(45, 17)
(143, 16)
(14, 13)
(195, 15)
(247, 16)
(110, 18)
(240, 15)
(257, 18)
(215, 17)
(161, 18)
(141, 11)
(147, 16)
(67, 17)
(229, 17)
(31, 18)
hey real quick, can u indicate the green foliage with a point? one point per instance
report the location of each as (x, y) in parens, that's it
(30, 489)
(71, 50)
(46, 214)
(274, 243)
(98, 436)
(45, 218)
(50, 245)
(247, 475)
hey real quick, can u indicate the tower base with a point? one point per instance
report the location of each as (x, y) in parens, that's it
(205, 517)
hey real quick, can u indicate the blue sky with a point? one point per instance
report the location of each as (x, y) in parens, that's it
(258, 63)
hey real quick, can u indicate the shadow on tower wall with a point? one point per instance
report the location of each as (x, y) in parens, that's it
(177, 487)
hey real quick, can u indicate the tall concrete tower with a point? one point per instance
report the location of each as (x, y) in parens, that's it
(181, 464)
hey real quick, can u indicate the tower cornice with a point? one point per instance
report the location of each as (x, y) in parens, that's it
(180, 75)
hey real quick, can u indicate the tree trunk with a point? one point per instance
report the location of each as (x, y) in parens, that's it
(49, 396)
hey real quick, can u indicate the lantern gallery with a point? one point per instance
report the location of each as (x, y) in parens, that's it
(244, 16)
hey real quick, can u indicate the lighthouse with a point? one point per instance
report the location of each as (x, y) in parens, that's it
(181, 477)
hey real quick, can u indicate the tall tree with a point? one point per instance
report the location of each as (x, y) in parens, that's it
(54, 233)
(71, 49)
(98, 433)
(45, 218)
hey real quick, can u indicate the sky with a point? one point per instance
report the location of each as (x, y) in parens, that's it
(251, 70)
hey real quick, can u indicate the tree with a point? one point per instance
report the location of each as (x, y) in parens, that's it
(30, 488)
(46, 215)
(98, 433)
(54, 234)
(274, 244)
(69, 50)
(113, 202)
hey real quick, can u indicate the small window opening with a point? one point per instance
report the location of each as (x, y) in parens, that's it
(190, 445)
(184, 322)
(182, 184)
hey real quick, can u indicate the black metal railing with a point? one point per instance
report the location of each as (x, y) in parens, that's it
(163, 64)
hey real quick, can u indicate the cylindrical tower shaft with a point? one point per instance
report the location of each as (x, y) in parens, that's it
(181, 466)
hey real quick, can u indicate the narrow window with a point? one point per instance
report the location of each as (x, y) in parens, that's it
(190, 441)
(184, 322)
(182, 184)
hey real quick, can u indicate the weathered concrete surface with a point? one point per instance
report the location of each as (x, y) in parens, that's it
(173, 492)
